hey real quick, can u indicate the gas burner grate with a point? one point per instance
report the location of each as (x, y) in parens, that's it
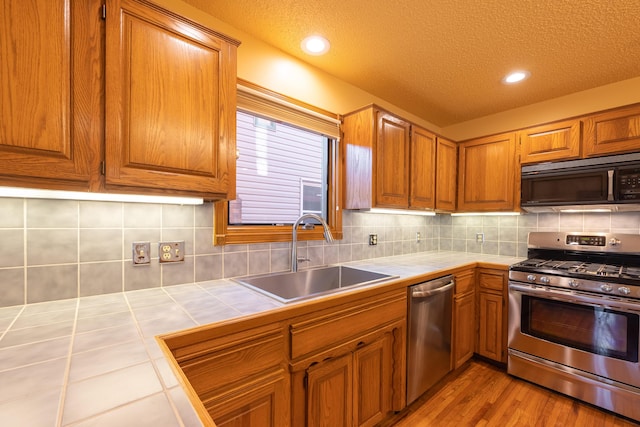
(597, 269)
(631, 273)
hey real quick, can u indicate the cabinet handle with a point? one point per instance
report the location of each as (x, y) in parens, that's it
(610, 185)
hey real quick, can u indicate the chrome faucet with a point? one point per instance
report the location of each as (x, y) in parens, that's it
(294, 236)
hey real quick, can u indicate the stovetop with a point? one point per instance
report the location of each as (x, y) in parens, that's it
(593, 262)
(577, 268)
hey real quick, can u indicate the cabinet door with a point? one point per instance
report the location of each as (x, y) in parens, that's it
(488, 175)
(373, 368)
(263, 405)
(490, 325)
(464, 329)
(50, 92)
(557, 141)
(422, 169)
(357, 145)
(612, 132)
(170, 102)
(446, 174)
(392, 160)
(330, 393)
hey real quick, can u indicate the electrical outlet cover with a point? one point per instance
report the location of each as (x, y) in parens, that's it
(171, 251)
(141, 253)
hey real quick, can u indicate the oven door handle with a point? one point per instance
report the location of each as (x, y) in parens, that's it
(571, 296)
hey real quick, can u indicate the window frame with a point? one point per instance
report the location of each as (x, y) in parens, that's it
(225, 234)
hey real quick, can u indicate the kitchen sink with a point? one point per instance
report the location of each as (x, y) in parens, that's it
(294, 286)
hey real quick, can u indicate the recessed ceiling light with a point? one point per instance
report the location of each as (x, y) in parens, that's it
(315, 45)
(515, 77)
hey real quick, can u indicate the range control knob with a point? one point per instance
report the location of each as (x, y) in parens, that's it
(614, 242)
(574, 283)
(544, 279)
(624, 290)
(606, 288)
(531, 277)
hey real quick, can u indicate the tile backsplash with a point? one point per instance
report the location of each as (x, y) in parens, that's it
(58, 249)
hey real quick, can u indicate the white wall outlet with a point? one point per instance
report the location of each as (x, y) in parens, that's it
(373, 239)
(418, 237)
(480, 237)
(141, 253)
(171, 251)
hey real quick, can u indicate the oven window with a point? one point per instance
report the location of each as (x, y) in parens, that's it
(593, 329)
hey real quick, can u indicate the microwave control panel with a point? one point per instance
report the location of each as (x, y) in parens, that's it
(629, 184)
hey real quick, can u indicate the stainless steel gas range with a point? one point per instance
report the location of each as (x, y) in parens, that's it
(574, 313)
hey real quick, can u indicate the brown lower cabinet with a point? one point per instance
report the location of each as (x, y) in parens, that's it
(354, 389)
(340, 365)
(492, 314)
(464, 317)
(479, 315)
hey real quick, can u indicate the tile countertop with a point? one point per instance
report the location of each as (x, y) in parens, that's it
(93, 361)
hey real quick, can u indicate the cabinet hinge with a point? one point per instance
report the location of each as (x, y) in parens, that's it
(104, 11)
(103, 168)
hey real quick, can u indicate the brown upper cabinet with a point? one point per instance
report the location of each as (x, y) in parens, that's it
(389, 162)
(170, 102)
(556, 141)
(50, 93)
(146, 91)
(488, 176)
(422, 188)
(446, 174)
(611, 132)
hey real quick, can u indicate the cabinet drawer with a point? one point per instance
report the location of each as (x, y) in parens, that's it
(332, 327)
(214, 365)
(464, 282)
(491, 280)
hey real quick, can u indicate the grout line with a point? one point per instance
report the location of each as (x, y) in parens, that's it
(15, 319)
(165, 389)
(78, 242)
(24, 256)
(123, 238)
(65, 382)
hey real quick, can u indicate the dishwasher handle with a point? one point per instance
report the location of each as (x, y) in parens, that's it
(424, 293)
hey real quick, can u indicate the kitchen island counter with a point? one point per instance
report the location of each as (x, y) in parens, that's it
(94, 360)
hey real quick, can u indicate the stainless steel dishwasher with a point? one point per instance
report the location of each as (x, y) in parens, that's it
(429, 334)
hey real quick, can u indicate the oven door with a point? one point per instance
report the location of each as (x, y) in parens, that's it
(567, 188)
(591, 333)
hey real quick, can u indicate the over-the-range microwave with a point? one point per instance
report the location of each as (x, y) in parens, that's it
(610, 183)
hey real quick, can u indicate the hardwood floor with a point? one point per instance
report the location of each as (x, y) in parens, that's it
(480, 394)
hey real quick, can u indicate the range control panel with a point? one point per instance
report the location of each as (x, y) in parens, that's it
(573, 239)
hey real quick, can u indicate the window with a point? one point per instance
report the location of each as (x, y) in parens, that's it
(288, 165)
(280, 169)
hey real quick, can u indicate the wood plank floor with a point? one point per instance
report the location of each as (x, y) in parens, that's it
(481, 394)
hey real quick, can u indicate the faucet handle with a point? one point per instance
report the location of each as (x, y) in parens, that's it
(308, 226)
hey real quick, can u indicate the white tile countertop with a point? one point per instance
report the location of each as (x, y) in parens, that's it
(93, 361)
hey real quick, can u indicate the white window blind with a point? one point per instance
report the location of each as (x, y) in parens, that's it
(264, 104)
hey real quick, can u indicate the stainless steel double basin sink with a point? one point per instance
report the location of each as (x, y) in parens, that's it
(294, 286)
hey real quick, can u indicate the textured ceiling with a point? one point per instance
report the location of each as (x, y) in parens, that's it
(443, 60)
